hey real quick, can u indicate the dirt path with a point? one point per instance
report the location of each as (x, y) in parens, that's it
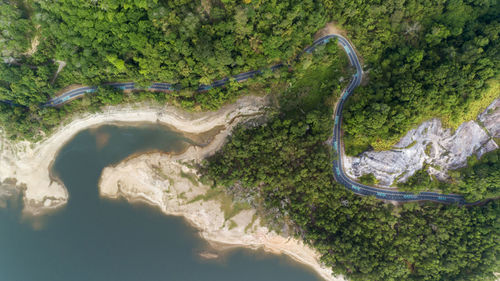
(61, 65)
(34, 43)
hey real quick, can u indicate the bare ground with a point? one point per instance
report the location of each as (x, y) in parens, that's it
(34, 43)
(30, 163)
(158, 179)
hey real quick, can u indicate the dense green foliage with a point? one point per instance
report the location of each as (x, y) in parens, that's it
(368, 179)
(182, 42)
(479, 180)
(284, 168)
(16, 29)
(425, 59)
(176, 41)
(25, 85)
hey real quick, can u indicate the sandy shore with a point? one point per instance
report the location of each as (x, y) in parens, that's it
(156, 178)
(167, 181)
(29, 163)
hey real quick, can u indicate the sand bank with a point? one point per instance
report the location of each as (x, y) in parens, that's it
(156, 178)
(169, 182)
(29, 163)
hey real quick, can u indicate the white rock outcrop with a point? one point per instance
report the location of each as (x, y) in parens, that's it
(490, 118)
(430, 144)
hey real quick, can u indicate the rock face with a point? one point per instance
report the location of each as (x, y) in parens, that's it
(430, 144)
(490, 118)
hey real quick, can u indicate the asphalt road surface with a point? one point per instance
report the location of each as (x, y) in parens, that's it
(340, 176)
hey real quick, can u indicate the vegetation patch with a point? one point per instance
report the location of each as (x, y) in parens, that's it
(410, 145)
(286, 167)
(232, 224)
(437, 60)
(250, 225)
(428, 149)
(368, 179)
(228, 207)
(190, 177)
(479, 180)
(476, 107)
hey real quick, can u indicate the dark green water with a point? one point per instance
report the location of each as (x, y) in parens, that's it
(93, 239)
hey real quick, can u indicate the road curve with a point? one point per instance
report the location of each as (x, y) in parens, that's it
(340, 176)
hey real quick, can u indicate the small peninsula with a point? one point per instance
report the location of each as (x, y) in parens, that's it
(360, 139)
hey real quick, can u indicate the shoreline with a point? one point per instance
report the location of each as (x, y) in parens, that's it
(157, 180)
(30, 163)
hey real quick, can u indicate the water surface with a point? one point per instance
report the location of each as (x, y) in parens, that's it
(94, 239)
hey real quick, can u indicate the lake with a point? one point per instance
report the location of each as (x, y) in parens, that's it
(94, 239)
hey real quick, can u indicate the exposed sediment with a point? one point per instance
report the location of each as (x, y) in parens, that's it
(29, 163)
(155, 177)
(161, 180)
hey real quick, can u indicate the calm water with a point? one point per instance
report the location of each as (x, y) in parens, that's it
(93, 239)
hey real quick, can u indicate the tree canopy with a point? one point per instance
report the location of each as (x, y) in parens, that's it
(423, 59)
(480, 179)
(284, 168)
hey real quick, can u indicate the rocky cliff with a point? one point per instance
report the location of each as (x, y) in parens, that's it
(430, 143)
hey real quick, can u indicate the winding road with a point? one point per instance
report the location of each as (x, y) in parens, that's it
(340, 176)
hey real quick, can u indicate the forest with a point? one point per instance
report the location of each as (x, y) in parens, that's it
(179, 42)
(284, 169)
(422, 59)
(479, 180)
